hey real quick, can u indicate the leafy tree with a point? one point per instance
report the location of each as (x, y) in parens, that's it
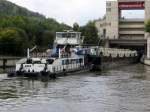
(76, 27)
(12, 41)
(47, 38)
(147, 26)
(34, 28)
(89, 31)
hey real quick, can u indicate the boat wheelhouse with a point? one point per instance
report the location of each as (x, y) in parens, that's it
(68, 37)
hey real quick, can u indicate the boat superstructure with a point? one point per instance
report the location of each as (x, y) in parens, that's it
(65, 57)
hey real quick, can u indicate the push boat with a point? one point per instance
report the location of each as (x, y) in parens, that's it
(67, 56)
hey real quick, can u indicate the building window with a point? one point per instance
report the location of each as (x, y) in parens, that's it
(104, 33)
(108, 4)
(108, 9)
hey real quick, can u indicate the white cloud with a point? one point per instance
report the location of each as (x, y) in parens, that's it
(67, 11)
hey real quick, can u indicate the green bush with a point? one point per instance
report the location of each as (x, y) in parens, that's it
(147, 26)
(12, 41)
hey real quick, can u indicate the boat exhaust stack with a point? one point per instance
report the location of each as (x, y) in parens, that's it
(30, 50)
(59, 53)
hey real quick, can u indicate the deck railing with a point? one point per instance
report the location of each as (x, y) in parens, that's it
(67, 68)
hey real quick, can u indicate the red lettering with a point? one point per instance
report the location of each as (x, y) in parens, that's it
(131, 5)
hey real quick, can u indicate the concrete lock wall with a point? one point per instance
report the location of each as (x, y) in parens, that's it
(147, 14)
(112, 20)
(120, 32)
(9, 63)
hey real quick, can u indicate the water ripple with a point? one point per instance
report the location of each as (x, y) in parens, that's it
(124, 89)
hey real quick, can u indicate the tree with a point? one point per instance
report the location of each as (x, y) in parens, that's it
(47, 38)
(147, 26)
(90, 33)
(76, 27)
(12, 41)
(34, 27)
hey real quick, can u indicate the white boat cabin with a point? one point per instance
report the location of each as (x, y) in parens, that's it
(68, 37)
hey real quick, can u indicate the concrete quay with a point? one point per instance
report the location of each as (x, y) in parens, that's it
(145, 61)
(8, 61)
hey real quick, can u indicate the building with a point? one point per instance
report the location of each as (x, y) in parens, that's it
(117, 31)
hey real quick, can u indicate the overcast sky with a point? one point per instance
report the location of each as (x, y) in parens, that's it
(67, 11)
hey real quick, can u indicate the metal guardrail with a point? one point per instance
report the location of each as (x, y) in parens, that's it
(9, 57)
(113, 52)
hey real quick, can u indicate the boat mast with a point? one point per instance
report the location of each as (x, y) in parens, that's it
(28, 53)
(30, 50)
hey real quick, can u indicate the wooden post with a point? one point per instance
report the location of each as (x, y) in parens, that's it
(4, 63)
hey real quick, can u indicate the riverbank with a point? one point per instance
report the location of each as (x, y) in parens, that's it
(8, 61)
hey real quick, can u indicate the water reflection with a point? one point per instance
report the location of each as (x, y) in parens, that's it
(21, 87)
(124, 89)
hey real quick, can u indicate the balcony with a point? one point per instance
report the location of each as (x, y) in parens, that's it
(131, 26)
(132, 32)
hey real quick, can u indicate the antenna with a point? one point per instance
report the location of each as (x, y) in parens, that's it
(28, 53)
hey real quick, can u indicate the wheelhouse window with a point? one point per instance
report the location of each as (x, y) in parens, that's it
(67, 35)
(73, 61)
(67, 61)
(63, 62)
(58, 35)
(64, 35)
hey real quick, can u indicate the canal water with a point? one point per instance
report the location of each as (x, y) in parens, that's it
(123, 89)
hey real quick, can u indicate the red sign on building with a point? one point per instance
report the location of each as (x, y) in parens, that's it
(131, 5)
